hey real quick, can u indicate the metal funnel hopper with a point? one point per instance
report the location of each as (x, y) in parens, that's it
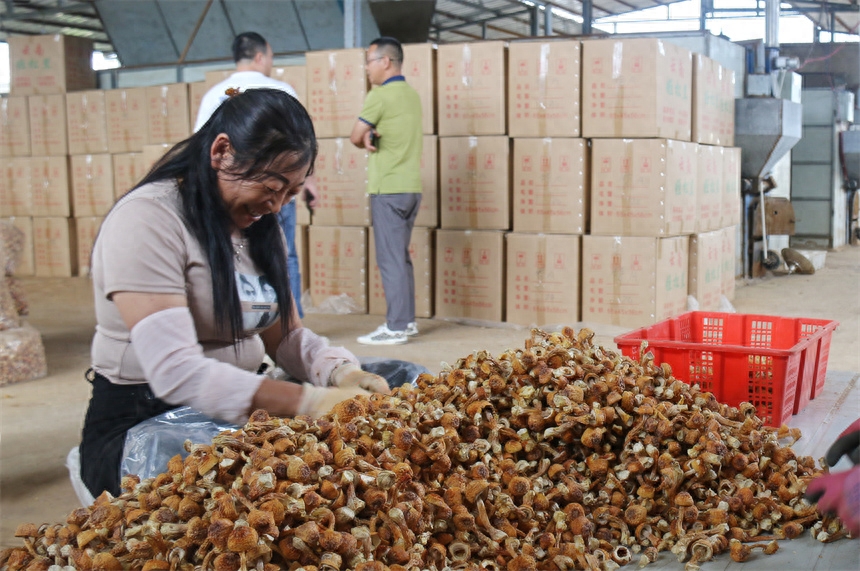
(851, 153)
(765, 129)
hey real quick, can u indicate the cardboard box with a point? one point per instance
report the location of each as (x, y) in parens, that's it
(475, 184)
(86, 120)
(127, 120)
(48, 125)
(296, 76)
(92, 185)
(49, 183)
(196, 91)
(709, 188)
(419, 69)
(428, 213)
(550, 181)
(14, 127)
(730, 210)
(87, 229)
(542, 279)
(303, 213)
(543, 84)
(16, 190)
(217, 76)
(6, 200)
(633, 281)
(728, 244)
(54, 247)
(706, 264)
(168, 113)
(51, 63)
(638, 87)
(338, 266)
(152, 153)
(713, 102)
(25, 264)
(470, 80)
(643, 187)
(337, 86)
(128, 170)
(421, 253)
(341, 171)
(470, 275)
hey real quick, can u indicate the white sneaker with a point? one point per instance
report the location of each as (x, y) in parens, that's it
(412, 329)
(383, 336)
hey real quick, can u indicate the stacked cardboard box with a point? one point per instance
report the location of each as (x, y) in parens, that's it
(549, 183)
(49, 74)
(336, 87)
(658, 118)
(536, 209)
(474, 180)
(636, 99)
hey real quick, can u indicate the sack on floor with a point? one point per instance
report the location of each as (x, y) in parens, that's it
(11, 246)
(22, 355)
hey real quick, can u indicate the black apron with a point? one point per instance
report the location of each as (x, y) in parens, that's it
(113, 410)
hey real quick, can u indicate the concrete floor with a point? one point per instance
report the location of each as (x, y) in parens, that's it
(40, 420)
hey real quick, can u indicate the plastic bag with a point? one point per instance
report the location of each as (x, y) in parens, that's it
(22, 355)
(73, 463)
(337, 304)
(11, 246)
(692, 303)
(395, 371)
(8, 309)
(726, 306)
(151, 443)
(17, 291)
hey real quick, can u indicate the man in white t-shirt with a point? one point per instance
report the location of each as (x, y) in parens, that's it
(254, 59)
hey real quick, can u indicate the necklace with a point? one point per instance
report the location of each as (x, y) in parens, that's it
(238, 248)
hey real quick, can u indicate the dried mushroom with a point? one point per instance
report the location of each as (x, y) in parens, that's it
(556, 457)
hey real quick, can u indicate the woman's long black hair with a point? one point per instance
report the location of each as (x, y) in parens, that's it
(263, 125)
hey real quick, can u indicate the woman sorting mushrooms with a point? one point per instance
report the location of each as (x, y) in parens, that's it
(191, 288)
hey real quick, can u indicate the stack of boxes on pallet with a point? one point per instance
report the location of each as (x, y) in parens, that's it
(663, 187)
(548, 213)
(340, 262)
(564, 181)
(71, 150)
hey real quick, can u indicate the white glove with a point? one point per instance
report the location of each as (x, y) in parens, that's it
(317, 401)
(349, 375)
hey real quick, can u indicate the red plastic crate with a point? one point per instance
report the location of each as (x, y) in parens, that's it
(775, 363)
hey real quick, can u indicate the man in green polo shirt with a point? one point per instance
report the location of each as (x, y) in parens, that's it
(389, 127)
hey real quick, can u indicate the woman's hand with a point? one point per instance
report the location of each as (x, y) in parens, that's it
(317, 401)
(349, 375)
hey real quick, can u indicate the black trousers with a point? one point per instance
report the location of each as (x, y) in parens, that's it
(113, 410)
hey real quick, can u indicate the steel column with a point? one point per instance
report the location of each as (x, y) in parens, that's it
(586, 16)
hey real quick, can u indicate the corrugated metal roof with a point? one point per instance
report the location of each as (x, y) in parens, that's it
(453, 20)
(831, 15)
(462, 20)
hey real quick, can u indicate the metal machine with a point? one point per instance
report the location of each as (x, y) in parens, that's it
(766, 128)
(849, 150)
(768, 123)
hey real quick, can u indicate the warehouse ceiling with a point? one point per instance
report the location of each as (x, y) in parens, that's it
(153, 32)
(831, 15)
(150, 32)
